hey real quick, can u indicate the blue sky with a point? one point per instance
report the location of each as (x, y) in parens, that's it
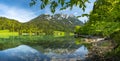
(21, 11)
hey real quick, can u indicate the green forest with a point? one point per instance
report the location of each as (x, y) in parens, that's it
(104, 21)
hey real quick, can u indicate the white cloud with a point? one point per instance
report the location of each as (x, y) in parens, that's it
(19, 14)
(83, 19)
(24, 15)
(75, 13)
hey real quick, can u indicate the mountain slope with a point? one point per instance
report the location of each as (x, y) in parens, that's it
(9, 24)
(59, 22)
(43, 23)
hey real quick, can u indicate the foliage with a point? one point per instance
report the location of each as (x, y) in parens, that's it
(115, 36)
(62, 4)
(105, 10)
(101, 28)
(77, 28)
(104, 19)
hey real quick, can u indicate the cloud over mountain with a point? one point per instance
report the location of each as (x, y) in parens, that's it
(17, 13)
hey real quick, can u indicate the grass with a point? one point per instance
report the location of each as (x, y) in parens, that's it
(7, 34)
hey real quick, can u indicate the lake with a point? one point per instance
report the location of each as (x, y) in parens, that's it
(41, 48)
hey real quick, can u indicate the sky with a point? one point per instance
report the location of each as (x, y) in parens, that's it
(20, 10)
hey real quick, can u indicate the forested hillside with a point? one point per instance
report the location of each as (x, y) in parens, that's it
(10, 24)
(43, 23)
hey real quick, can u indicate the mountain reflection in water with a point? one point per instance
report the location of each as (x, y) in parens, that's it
(26, 53)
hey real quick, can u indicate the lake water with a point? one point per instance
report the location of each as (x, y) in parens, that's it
(41, 48)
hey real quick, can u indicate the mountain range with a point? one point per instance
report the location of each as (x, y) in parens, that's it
(43, 23)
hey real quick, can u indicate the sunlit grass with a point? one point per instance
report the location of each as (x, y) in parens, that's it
(7, 33)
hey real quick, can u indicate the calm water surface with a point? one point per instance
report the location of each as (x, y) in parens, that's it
(41, 48)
